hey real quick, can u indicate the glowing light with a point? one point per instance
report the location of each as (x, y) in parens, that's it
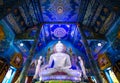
(21, 44)
(40, 78)
(68, 26)
(109, 68)
(9, 75)
(99, 44)
(51, 25)
(113, 77)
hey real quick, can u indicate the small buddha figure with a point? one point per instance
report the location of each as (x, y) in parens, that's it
(59, 62)
(39, 62)
(82, 67)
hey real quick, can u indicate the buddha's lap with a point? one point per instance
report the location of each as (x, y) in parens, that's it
(70, 72)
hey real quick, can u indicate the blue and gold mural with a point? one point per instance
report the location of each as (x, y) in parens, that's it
(20, 20)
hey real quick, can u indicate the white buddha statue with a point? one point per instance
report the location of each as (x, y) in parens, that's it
(59, 62)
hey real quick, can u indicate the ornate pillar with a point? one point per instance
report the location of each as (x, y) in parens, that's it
(93, 65)
(23, 74)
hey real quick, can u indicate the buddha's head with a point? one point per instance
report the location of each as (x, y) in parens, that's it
(59, 47)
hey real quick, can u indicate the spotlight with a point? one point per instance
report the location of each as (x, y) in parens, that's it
(108, 68)
(51, 25)
(68, 26)
(21, 44)
(99, 44)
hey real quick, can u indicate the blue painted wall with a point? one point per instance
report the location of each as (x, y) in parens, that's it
(10, 48)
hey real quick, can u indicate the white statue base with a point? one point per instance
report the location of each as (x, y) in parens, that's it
(60, 77)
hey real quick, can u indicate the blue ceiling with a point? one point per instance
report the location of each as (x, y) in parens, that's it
(62, 10)
(59, 19)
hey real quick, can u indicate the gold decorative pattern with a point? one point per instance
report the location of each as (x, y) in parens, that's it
(118, 35)
(16, 60)
(3, 69)
(103, 61)
(2, 35)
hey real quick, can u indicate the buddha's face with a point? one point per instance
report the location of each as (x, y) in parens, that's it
(59, 47)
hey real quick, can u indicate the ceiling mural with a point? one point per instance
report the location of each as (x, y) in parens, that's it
(92, 7)
(67, 32)
(26, 15)
(59, 19)
(34, 13)
(96, 14)
(60, 10)
(101, 18)
(59, 31)
(11, 21)
(19, 19)
(47, 32)
(116, 42)
(6, 6)
(104, 19)
(82, 10)
(112, 34)
(109, 21)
